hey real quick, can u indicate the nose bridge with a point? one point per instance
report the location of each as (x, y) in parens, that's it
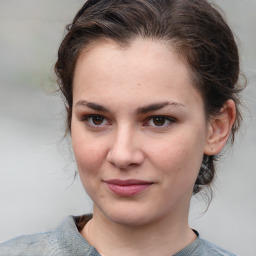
(126, 135)
(125, 149)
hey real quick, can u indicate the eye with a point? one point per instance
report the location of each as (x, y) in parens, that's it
(95, 120)
(160, 121)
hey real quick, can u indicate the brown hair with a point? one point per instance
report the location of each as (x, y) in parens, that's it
(195, 29)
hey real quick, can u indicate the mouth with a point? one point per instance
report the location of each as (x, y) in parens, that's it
(127, 188)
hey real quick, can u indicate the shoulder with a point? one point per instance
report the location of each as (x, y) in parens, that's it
(37, 244)
(211, 249)
(201, 247)
(65, 240)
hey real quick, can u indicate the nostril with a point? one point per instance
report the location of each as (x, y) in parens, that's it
(125, 150)
(129, 166)
(125, 159)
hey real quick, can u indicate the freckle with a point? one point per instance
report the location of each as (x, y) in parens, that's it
(138, 84)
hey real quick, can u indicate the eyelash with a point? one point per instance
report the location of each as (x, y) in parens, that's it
(88, 119)
(168, 119)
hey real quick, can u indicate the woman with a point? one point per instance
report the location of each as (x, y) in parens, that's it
(151, 94)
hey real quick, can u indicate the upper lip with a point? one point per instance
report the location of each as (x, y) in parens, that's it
(127, 182)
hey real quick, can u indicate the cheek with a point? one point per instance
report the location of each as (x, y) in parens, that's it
(89, 152)
(180, 156)
(89, 159)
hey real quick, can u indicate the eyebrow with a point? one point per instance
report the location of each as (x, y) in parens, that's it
(157, 106)
(140, 110)
(91, 105)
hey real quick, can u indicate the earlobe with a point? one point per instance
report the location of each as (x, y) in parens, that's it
(219, 128)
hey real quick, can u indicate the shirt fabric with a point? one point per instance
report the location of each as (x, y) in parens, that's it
(66, 240)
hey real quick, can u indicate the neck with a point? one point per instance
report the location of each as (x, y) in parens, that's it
(170, 235)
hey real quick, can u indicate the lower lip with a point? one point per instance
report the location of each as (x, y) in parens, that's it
(128, 190)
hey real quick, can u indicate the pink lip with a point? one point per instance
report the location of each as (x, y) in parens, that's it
(129, 187)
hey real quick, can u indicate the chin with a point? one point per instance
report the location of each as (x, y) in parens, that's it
(129, 217)
(127, 220)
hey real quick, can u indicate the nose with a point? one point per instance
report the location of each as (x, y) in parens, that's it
(125, 150)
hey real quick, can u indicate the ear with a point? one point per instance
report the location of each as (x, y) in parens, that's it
(219, 128)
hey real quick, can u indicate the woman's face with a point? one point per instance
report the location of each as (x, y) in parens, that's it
(138, 131)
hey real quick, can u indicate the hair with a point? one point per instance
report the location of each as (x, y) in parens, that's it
(193, 28)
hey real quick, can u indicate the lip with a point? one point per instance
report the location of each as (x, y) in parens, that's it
(129, 187)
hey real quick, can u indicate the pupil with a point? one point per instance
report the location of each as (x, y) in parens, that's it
(159, 121)
(97, 120)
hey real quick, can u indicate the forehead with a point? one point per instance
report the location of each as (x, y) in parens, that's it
(145, 68)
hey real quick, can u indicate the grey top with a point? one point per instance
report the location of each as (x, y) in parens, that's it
(66, 240)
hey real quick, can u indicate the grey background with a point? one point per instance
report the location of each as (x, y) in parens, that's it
(37, 189)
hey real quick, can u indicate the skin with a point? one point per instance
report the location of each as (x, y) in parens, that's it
(114, 136)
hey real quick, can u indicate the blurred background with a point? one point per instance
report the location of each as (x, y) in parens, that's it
(37, 185)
